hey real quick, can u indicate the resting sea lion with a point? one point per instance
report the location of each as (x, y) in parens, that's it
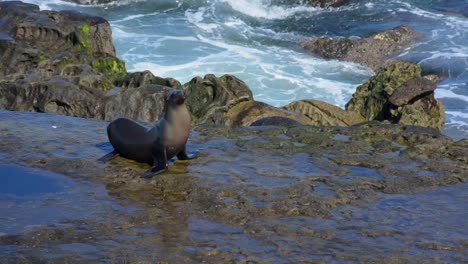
(166, 139)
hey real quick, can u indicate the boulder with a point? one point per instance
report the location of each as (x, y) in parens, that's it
(137, 79)
(374, 52)
(324, 114)
(251, 113)
(276, 121)
(399, 94)
(49, 41)
(315, 3)
(145, 103)
(56, 95)
(327, 3)
(210, 98)
(90, 2)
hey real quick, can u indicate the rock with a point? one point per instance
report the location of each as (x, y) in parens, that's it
(316, 3)
(56, 95)
(90, 2)
(426, 112)
(247, 113)
(145, 103)
(137, 79)
(210, 98)
(399, 94)
(371, 98)
(276, 121)
(373, 52)
(49, 41)
(327, 3)
(412, 90)
(324, 114)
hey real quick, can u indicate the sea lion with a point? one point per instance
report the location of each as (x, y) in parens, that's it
(166, 139)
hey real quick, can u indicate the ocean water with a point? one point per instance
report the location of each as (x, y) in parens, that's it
(258, 41)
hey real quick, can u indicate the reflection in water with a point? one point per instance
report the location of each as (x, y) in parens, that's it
(22, 182)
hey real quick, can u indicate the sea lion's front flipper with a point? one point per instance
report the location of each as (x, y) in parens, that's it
(109, 156)
(184, 156)
(159, 165)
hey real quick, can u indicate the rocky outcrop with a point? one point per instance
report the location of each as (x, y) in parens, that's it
(210, 98)
(373, 52)
(56, 43)
(90, 2)
(327, 3)
(315, 3)
(251, 113)
(145, 103)
(324, 114)
(399, 94)
(64, 62)
(137, 79)
(55, 95)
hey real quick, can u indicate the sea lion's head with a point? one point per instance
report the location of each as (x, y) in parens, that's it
(176, 97)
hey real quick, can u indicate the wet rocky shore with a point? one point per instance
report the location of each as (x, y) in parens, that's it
(261, 194)
(305, 183)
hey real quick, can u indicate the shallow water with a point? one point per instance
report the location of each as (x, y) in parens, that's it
(34, 197)
(258, 41)
(244, 198)
(75, 222)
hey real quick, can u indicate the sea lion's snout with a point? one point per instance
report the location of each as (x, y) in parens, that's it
(176, 97)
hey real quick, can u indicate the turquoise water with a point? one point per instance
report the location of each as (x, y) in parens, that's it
(258, 41)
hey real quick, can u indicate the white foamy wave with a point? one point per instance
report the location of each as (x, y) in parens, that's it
(260, 9)
(457, 114)
(49, 4)
(197, 19)
(132, 17)
(443, 93)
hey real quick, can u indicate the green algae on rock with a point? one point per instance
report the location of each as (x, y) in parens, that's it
(399, 94)
(210, 98)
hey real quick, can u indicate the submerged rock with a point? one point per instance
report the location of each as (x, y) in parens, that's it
(373, 52)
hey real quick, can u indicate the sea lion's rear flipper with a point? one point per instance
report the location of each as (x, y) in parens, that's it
(109, 156)
(159, 165)
(184, 156)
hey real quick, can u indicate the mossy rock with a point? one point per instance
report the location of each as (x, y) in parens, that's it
(112, 68)
(211, 97)
(371, 98)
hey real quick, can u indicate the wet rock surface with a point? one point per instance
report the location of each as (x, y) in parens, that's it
(324, 114)
(316, 3)
(375, 192)
(374, 52)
